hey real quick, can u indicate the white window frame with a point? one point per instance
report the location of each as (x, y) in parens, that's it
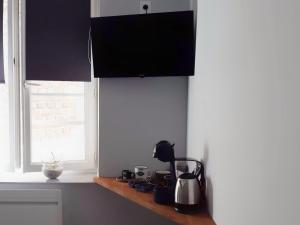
(12, 80)
(20, 106)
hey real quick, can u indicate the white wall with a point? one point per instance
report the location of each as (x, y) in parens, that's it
(136, 113)
(244, 109)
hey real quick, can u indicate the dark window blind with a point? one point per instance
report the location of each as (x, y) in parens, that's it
(57, 33)
(1, 44)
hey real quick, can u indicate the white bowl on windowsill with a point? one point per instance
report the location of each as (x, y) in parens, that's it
(52, 170)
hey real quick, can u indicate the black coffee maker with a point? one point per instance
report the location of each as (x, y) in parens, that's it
(164, 151)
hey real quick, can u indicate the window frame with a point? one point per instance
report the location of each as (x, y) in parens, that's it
(12, 81)
(20, 106)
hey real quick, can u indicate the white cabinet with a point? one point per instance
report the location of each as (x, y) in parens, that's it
(30, 207)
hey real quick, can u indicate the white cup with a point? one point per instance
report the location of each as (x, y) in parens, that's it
(141, 172)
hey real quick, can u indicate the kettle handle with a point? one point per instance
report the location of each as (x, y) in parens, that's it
(201, 172)
(200, 169)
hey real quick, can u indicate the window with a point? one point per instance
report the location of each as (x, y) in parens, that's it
(60, 119)
(57, 120)
(42, 118)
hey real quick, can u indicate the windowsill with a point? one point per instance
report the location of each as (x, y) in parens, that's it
(38, 177)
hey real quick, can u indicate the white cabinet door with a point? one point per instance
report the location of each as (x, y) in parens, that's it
(30, 207)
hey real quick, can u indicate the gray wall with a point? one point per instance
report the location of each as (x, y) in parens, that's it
(244, 107)
(90, 204)
(136, 113)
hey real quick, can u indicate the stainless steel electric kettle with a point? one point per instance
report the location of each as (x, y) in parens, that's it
(189, 189)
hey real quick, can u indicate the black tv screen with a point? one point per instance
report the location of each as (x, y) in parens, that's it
(158, 44)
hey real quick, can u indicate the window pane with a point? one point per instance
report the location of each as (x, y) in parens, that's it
(4, 128)
(57, 120)
(4, 101)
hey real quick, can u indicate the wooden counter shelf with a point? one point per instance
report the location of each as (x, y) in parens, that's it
(146, 200)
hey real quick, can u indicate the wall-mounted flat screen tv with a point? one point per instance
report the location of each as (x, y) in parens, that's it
(158, 44)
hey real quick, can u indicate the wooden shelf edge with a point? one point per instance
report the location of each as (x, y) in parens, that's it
(146, 200)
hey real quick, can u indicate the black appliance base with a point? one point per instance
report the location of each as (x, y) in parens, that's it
(187, 209)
